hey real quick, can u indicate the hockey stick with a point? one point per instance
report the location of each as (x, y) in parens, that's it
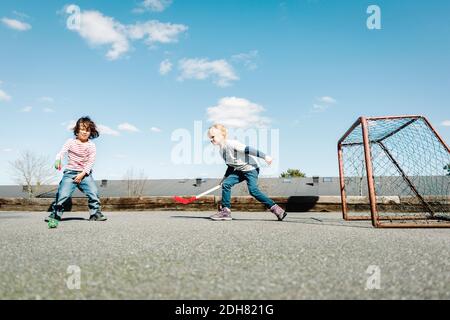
(192, 199)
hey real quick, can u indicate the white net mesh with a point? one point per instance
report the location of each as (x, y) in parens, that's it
(410, 170)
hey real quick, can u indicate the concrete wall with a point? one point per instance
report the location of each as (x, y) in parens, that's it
(210, 203)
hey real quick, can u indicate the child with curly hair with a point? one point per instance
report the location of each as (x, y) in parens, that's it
(81, 153)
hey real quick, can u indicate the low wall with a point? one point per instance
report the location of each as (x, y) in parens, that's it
(207, 203)
(210, 203)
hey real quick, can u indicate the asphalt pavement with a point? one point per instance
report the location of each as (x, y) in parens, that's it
(184, 255)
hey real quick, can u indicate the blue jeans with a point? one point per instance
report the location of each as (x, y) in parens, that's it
(252, 183)
(67, 187)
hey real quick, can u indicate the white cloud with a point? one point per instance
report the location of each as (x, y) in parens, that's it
(325, 103)
(165, 67)
(247, 59)
(21, 14)
(319, 108)
(328, 100)
(446, 123)
(99, 30)
(107, 130)
(154, 129)
(4, 96)
(154, 31)
(7, 150)
(46, 99)
(69, 124)
(153, 5)
(48, 110)
(16, 24)
(237, 113)
(221, 72)
(26, 109)
(128, 127)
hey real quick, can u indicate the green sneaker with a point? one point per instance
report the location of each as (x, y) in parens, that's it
(52, 216)
(52, 223)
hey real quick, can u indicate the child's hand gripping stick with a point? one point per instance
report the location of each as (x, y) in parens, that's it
(58, 164)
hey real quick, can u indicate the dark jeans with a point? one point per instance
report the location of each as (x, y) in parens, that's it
(67, 187)
(252, 183)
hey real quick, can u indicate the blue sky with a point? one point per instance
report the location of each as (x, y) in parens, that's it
(143, 69)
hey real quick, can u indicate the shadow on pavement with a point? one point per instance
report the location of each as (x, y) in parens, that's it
(74, 219)
(306, 220)
(234, 219)
(301, 203)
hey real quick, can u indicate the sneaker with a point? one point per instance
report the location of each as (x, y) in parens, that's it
(98, 217)
(224, 214)
(52, 216)
(278, 211)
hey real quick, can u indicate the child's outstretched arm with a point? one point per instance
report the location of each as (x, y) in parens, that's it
(60, 155)
(249, 151)
(255, 152)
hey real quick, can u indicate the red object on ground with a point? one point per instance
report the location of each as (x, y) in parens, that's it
(184, 201)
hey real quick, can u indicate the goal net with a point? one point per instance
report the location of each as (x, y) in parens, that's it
(396, 172)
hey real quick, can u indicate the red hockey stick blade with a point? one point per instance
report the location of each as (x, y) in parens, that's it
(183, 200)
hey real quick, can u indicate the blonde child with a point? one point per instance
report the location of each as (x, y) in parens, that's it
(241, 166)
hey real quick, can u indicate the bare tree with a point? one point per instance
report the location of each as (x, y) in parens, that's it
(135, 184)
(32, 171)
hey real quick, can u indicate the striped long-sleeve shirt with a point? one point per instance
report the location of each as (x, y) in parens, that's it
(81, 155)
